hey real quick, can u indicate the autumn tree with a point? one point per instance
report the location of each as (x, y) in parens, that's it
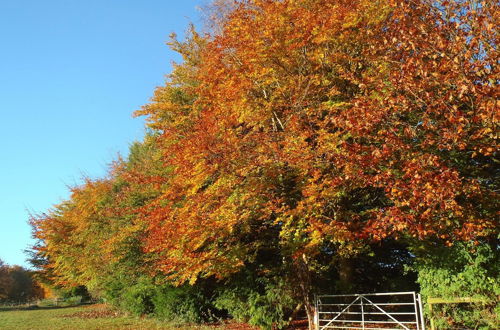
(319, 126)
(294, 137)
(5, 280)
(92, 237)
(18, 284)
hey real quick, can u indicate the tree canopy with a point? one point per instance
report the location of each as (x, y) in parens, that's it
(294, 137)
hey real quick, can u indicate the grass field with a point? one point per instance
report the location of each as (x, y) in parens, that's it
(84, 317)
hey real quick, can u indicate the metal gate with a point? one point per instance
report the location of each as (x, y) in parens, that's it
(388, 311)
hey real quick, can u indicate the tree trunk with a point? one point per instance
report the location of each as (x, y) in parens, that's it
(345, 269)
(305, 286)
(311, 313)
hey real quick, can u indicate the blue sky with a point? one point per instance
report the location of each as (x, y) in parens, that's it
(71, 74)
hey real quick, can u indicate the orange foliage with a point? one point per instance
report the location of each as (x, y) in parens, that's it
(326, 121)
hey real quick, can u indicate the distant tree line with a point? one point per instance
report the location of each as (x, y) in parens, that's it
(17, 285)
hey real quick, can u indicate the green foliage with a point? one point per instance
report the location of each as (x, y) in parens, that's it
(114, 287)
(267, 307)
(78, 291)
(462, 270)
(184, 304)
(137, 299)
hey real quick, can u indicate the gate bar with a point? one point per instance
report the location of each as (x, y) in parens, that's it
(417, 306)
(421, 312)
(416, 311)
(404, 326)
(368, 294)
(332, 320)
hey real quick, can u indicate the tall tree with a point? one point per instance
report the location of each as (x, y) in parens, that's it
(291, 138)
(319, 126)
(93, 237)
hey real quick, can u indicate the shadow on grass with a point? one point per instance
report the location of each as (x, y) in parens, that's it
(35, 307)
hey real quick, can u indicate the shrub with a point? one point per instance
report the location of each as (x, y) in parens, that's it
(78, 291)
(266, 308)
(137, 299)
(185, 304)
(463, 270)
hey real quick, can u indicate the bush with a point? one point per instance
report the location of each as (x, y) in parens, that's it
(463, 270)
(184, 304)
(137, 299)
(266, 308)
(78, 291)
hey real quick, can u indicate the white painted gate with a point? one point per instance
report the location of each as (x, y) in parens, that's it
(388, 311)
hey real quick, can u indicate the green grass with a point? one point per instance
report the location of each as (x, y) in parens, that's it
(79, 317)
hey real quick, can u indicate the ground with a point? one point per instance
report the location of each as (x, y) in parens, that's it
(90, 317)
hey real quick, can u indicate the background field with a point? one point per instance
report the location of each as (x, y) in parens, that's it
(85, 317)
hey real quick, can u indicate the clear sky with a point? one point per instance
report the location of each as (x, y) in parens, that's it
(71, 74)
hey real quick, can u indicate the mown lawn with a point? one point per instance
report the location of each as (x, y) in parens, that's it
(82, 317)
